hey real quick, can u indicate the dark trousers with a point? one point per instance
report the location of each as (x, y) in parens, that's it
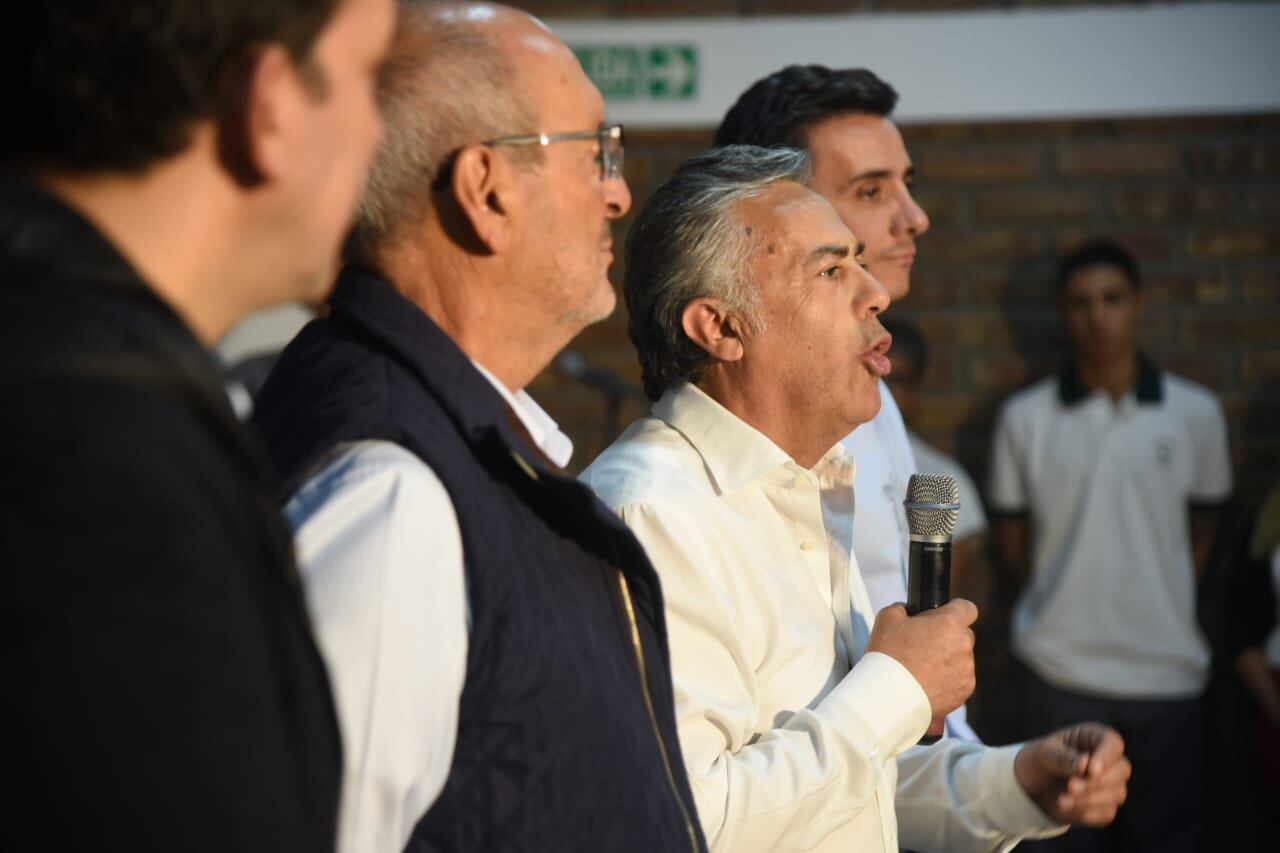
(1163, 739)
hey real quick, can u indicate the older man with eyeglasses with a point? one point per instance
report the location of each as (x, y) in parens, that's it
(495, 635)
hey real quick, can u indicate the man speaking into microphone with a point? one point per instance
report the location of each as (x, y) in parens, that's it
(798, 707)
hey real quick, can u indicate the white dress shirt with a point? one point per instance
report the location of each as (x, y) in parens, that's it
(882, 452)
(789, 729)
(381, 560)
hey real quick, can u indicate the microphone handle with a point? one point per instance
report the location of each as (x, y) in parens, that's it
(929, 586)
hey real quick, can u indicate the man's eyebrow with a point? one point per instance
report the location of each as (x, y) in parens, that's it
(831, 249)
(879, 174)
(867, 175)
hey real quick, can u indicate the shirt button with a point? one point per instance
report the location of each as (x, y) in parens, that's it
(806, 545)
(797, 482)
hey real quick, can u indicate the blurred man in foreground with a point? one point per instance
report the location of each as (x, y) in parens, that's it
(495, 635)
(759, 339)
(174, 166)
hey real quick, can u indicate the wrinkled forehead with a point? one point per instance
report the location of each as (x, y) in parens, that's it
(790, 216)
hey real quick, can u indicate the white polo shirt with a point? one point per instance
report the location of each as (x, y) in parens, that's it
(1110, 606)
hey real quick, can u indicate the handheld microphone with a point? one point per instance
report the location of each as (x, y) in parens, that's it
(933, 508)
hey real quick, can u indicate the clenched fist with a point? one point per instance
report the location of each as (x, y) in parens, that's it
(935, 646)
(1078, 775)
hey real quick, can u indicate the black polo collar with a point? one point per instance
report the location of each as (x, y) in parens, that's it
(1149, 388)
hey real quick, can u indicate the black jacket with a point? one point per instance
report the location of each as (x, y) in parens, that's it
(558, 748)
(163, 689)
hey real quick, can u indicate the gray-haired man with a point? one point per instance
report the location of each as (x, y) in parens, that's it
(495, 635)
(758, 334)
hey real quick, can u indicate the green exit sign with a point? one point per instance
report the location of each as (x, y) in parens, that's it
(658, 72)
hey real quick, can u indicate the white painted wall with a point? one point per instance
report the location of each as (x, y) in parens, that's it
(1160, 59)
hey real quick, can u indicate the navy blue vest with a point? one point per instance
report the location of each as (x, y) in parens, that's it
(557, 747)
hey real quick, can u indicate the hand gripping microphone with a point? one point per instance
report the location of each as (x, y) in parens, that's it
(933, 507)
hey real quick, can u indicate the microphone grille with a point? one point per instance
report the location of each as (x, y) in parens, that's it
(933, 504)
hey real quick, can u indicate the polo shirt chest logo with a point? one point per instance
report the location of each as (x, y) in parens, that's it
(1164, 454)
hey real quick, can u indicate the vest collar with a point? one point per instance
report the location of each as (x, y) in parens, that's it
(368, 303)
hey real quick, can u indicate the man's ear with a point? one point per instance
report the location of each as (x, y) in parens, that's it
(485, 190)
(713, 329)
(261, 120)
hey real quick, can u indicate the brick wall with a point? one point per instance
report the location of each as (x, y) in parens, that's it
(614, 9)
(1197, 199)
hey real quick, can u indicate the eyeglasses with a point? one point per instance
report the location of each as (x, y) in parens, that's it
(608, 137)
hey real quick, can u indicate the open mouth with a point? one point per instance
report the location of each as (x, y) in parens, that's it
(876, 357)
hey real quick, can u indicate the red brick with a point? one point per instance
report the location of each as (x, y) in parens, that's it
(1217, 125)
(698, 138)
(1056, 129)
(1257, 368)
(1209, 369)
(1231, 327)
(988, 163)
(981, 246)
(1233, 242)
(944, 412)
(1005, 289)
(1171, 202)
(1235, 158)
(1144, 243)
(1264, 201)
(917, 134)
(1260, 286)
(946, 207)
(1159, 328)
(805, 7)
(1023, 203)
(936, 5)
(1119, 158)
(999, 372)
(933, 288)
(678, 8)
(565, 9)
(607, 333)
(986, 328)
(1183, 290)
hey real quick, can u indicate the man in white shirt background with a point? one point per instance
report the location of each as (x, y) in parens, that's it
(758, 334)
(860, 165)
(1106, 479)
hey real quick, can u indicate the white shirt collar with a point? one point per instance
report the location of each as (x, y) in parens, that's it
(541, 427)
(735, 452)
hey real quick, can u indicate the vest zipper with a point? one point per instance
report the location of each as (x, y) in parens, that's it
(653, 719)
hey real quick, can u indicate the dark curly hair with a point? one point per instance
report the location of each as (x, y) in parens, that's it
(114, 85)
(778, 109)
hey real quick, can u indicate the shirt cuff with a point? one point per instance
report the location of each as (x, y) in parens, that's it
(1012, 809)
(883, 696)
